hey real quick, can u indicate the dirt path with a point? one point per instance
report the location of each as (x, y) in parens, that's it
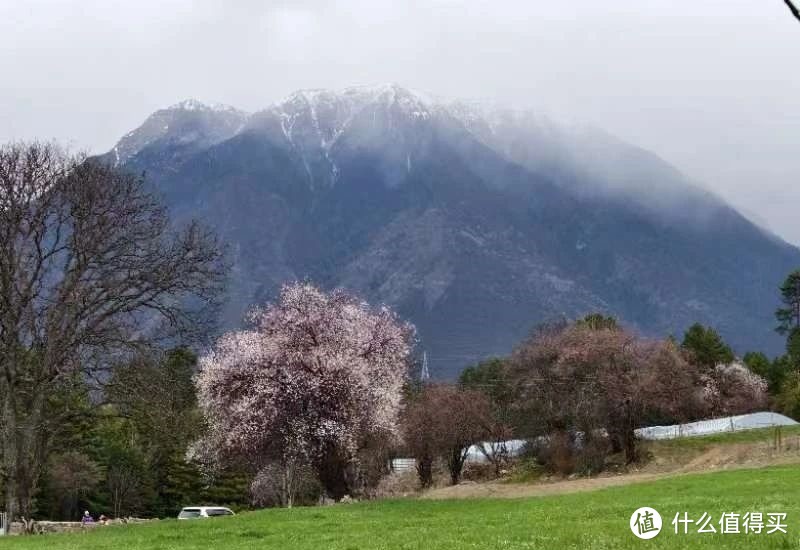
(720, 457)
(495, 489)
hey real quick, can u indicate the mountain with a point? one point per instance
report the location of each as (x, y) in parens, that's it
(475, 222)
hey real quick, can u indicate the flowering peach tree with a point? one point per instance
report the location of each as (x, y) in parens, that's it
(316, 375)
(731, 389)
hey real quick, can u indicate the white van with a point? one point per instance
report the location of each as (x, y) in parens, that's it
(197, 512)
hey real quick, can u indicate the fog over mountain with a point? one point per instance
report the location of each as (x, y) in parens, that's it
(473, 220)
(709, 86)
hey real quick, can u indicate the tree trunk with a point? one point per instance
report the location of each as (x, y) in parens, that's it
(289, 473)
(9, 461)
(455, 464)
(425, 471)
(616, 443)
(331, 470)
(116, 503)
(29, 443)
(630, 447)
(10, 504)
(24, 493)
(630, 435)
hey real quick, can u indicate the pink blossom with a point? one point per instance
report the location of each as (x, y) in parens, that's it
(316, 369)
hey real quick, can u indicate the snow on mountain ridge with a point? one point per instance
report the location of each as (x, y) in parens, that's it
(189, 121)
(360, 96)
(326, 113)
(313, 121)
(192, 104)
(330, 112)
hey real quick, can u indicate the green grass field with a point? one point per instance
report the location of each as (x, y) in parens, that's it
(580, 520)
(760, 435)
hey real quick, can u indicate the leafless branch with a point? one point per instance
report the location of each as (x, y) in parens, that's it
(89, 266)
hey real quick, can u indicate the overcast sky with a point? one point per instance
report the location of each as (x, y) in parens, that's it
(712, 86)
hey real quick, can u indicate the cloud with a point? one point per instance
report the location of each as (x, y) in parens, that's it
(709, 86)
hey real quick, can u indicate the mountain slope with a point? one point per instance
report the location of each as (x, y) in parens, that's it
(476, 223)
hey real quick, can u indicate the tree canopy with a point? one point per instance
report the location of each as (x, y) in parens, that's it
(706, 346)
(788, 316)
(90, 267)
(315, 375)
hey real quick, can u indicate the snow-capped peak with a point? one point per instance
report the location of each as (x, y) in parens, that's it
(357, 97)
(195, 105)
(209, 123)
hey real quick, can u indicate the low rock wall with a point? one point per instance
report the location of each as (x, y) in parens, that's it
(44, 527)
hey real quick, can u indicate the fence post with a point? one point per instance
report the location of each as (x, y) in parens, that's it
(778, 438)
(2, 524)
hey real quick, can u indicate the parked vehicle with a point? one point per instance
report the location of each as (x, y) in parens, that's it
(199, 512)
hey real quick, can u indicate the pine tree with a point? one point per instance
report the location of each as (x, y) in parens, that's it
(706, 346)
(789, 316)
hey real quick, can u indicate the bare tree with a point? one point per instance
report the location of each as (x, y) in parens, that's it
(495, 449)
(419, 418)
(280, 484)
(578, 379)
(467, 423)
(443, 421)
(124, 483)
(491, 378)
(88, 262)
(73, 474)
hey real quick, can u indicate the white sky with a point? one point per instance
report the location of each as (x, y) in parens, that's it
(712, 86)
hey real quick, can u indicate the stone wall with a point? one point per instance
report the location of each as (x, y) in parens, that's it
(44, 527)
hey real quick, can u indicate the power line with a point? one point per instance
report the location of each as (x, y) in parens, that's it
(793, 8)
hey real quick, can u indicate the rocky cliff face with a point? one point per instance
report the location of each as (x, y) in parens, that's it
(474, 222)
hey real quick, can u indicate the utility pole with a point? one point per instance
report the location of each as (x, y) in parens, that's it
(424, 374)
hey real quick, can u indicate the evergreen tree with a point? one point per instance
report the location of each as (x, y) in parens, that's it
(706, 346)
(156, 397)
(598, 321)
(771, 371)
(70, 431)
(490, 377)
(127, 487)
(788, 401)
(127, 457)
(230, 487)
(789, 316)
(793, 347)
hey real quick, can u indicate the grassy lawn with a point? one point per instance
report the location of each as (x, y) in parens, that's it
(788, 434)
(581, 520)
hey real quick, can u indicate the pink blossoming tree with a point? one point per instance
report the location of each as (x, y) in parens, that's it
(316, 376)
(731, 389)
